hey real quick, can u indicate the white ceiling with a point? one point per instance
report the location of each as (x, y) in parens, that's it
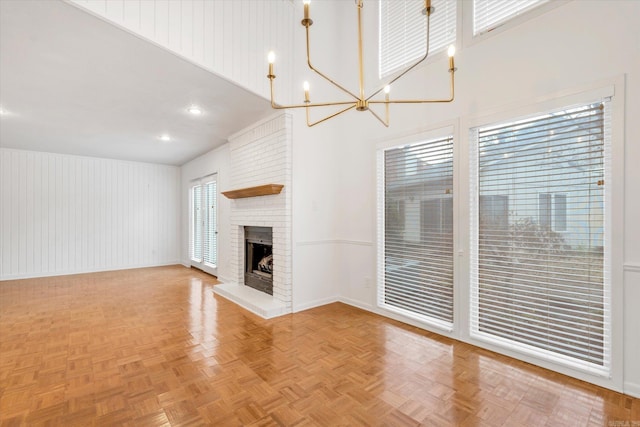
(72, 83)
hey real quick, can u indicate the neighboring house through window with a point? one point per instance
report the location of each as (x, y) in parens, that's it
(552, 211)
(534, 289)
(416, 250)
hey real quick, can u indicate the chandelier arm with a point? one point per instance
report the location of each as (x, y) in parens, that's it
(330, 116)
(384, 122)
(323, 75)
(276, 106)
(414, 101)
(423, 101)
(426, 53)
(310, 105)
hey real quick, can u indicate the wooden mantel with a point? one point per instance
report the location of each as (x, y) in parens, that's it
(260, 190)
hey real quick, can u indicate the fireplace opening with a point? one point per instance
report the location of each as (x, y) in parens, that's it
(258, 271)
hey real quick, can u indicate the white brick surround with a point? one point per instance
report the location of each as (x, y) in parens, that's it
(260, 155)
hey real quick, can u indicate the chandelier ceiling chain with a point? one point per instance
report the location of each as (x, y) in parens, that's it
(360, 101)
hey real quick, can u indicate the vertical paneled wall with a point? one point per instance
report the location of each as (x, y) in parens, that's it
(228, 37)
(62, 214)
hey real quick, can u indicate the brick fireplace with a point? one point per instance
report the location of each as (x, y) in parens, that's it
(261, 155)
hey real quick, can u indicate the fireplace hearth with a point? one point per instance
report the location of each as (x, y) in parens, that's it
(258, 272)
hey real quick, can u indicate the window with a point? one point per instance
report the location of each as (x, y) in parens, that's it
(560, 212)
(544, 210)
(495, 210)
(196, 223)
(552, 211)
(403, 29)
(210, 233)
(489, 14)
(533, 289)
(416, 255)
(204, 236)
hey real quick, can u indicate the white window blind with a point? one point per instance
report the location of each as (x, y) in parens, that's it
(416, 205)
(539, 279)
(196, 223)
(210, 231)
(403, 39)
(488, 14)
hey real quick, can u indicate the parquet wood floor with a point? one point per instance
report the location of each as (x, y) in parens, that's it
(156, 347)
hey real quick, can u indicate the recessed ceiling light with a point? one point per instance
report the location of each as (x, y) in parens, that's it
(165, 137)
(195, 110)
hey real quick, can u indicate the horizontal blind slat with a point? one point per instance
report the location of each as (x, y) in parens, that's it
(403, 32)
(487, 14)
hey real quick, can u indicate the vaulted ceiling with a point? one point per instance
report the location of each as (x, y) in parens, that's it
(72, 83)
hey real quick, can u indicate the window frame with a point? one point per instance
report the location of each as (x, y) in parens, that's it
(192, 222)
(468, 38)
(203, 263)
(442, 130)
(213, 182)
(613, 88)
(500, 292)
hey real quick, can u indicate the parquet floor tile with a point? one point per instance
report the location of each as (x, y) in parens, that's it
(156, 347)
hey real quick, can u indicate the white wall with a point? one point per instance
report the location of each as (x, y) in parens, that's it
(316, 165)
(63, 214)
(573, 46)
(315, 241)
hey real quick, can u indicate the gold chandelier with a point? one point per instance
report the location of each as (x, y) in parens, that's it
(360, 102)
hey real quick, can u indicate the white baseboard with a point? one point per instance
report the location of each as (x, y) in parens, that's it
(357, 304)
(313, 304)
(84, 271)
(632, 389)
(395, 316)
(224, 279)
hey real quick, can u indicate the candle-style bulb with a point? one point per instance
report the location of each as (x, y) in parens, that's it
(306, 21)
(305, 86)
(271, 57)
(451, 51)
(387, 89)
